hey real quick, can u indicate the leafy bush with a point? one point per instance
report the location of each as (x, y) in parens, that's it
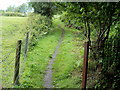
(13, 14)
(72, 20)
(110, 61)
(38, 26)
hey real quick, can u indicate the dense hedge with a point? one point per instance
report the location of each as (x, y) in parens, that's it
(73, 20)
(110, 75)
(104, 71)
(38, 26)
(13, 14)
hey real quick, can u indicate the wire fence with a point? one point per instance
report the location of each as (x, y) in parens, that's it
(13, 64)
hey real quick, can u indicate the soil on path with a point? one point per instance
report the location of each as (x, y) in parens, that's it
(48, 75)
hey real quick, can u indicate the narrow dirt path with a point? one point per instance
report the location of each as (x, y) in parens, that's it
(48, 75)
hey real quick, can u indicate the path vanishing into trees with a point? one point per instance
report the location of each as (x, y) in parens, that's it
(48, 75)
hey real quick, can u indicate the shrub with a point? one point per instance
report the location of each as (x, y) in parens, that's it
(38, 26)
(13, 14)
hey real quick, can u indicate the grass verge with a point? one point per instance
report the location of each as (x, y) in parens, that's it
(67, 68)
(13, 29)
(38, 59)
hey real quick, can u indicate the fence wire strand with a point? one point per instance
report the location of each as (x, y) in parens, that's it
(7, 56)
(7, 66)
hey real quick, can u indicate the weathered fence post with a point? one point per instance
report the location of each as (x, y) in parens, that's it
(85, 65)
(17, 63)
(26, 45)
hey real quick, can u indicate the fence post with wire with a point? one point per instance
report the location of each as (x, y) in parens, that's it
(13, 64)
(18, 69)
(26, 45)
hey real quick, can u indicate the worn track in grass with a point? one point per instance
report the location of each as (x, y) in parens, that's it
(48, 75)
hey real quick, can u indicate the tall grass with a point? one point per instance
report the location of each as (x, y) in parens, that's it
(13, 29)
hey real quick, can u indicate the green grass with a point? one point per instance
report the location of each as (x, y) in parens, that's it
(68, 64)
(38, 59)
(13, 29)
(67, 68)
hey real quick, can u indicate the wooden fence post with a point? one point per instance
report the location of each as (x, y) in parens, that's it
(17, 63)
(26, 45)
(85, 65)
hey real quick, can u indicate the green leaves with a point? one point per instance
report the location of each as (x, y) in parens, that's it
(44, 8)
(98, 19)
(39, 26)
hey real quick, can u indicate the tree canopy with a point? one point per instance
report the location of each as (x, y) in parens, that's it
(44, 8)
(100, 23)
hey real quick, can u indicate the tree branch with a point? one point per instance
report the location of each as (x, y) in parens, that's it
(109, 25)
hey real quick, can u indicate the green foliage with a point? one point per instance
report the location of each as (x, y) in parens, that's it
(44, 8)
(100, 15)
(1, 10)
(38, 26)
(98, 20)
(13, 29)
(11, 9)
(72, 20)
(17, 11)
(22, 8)
(66, 68)
(110, 61)
(13, 14)
(38, 59)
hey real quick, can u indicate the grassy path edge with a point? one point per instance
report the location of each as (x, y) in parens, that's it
(48, 75)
